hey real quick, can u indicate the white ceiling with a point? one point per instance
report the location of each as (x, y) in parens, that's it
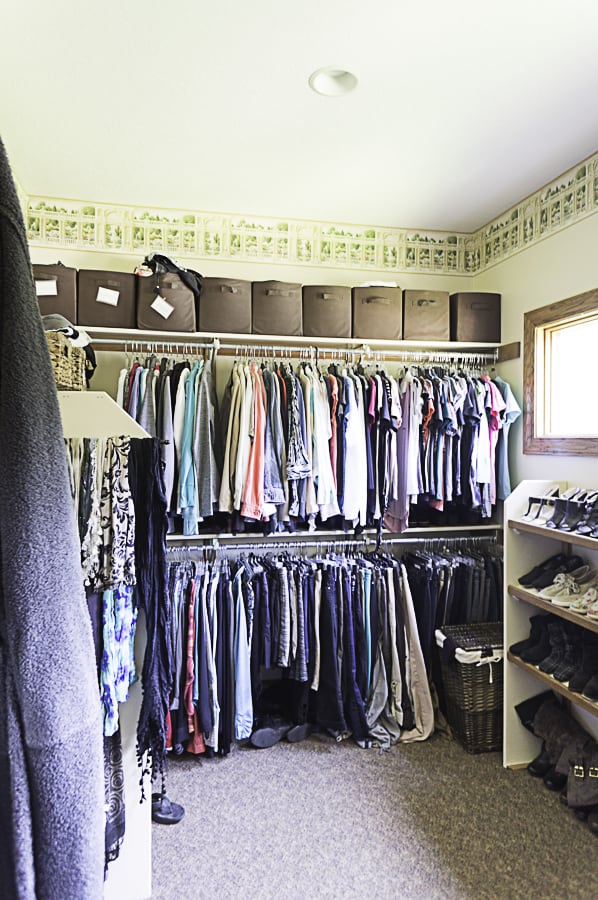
(463, 107)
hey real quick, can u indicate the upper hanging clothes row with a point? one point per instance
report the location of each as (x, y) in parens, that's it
(296, 446)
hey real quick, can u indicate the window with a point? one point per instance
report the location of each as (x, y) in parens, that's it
(560, 363)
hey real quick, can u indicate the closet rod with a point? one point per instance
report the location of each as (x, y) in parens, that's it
(305, 351)
(174, 346)
(266, 546)
(462, 540)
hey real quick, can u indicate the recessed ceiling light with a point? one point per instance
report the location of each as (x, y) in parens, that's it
(332, 82)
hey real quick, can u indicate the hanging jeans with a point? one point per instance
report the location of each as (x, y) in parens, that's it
(329, 702)
(354, 706)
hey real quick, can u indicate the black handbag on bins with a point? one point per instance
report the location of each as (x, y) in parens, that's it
(167, 297)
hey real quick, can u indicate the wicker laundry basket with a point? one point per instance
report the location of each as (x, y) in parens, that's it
(473, 684)
(68, 362)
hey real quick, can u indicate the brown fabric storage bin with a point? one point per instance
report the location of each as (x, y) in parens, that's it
(475, 317)
(106, 299)
(165, 303)
(326, 311)
(276, 308)
(426, 315)
(56, 289)
(225, 305)
(378, 313)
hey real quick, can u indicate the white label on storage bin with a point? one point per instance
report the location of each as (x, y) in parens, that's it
(106, 295)
(162, 307)
(46, 288)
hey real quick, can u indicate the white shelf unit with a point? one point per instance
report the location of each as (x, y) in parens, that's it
(526, 545)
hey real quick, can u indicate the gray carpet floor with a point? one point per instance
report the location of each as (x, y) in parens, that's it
(321, 819)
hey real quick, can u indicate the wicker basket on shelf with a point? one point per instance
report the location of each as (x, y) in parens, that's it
(473, 689)
(68, 362)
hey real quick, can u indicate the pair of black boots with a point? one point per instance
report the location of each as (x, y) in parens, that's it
(564, 743)
(564, 650)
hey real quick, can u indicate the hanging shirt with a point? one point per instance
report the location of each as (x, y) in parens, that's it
(510, 414)
(322, 469)
(187, 474)
(206, 445)
(355, 498)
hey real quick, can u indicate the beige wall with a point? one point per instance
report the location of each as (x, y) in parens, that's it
(558, 267)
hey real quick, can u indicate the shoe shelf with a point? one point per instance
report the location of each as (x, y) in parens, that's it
(525, 546)
(549, 681)
(565, 537)
(519, 593)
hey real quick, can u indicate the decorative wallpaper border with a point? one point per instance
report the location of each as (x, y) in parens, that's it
(189, 235)
(567, 199)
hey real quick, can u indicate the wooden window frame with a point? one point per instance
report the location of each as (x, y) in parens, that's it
(564, 310)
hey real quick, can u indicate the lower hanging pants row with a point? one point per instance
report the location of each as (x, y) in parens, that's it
(334, 641)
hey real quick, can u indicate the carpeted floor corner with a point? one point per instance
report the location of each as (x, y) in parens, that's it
(322, 819)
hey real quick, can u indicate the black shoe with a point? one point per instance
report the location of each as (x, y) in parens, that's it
(539, 651)
(269, 735)
(165, 812)
(541, 765)
(547, 578)
(588, 665)
(527, 709)
(298, 733)
(536, 626)
(590, 690)
(549, 565)
(573, 649)
(557, 637)
(554, 781)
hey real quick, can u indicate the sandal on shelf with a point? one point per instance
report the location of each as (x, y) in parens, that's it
(589, 520)
(545, 512)
(576, 511)
(561, 506)
(537, 504)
